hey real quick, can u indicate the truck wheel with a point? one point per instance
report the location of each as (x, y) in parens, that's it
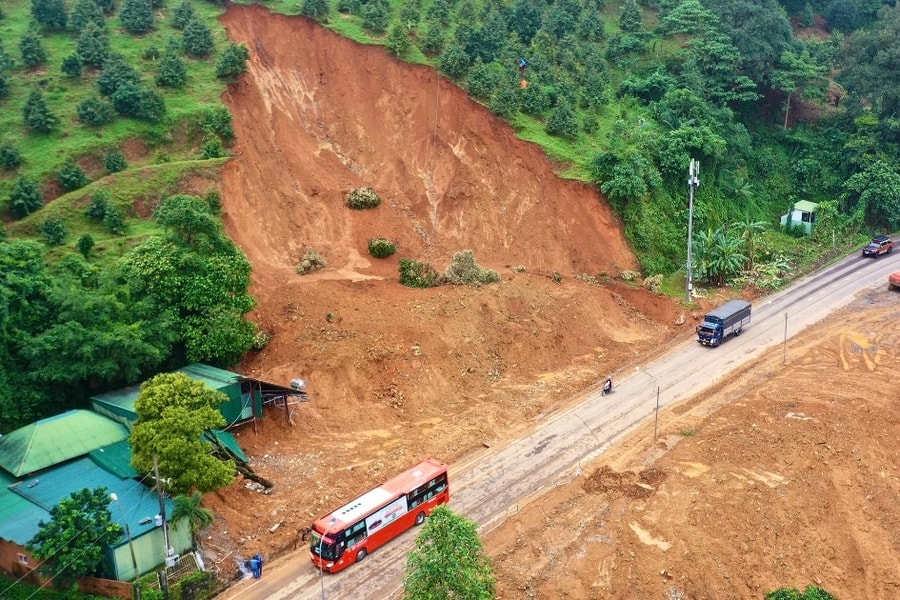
(737, 332)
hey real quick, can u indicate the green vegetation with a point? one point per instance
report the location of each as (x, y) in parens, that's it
(310, 261)
(381, 247)
(463, 270)
(417, 274)
(174, 411)
(362, 198)
(448, 561)
(811, 592)
(15, 590)
(76, 539)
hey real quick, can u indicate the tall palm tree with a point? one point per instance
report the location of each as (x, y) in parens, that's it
(191, 508)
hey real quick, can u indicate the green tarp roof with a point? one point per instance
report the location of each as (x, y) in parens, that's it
(805, 206)
(57, 439)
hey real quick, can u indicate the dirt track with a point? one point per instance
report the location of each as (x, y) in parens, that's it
(397, 373)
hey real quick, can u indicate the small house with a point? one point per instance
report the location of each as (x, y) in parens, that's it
(802, 215)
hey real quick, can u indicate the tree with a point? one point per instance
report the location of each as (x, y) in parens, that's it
(132, 100)
(33, 53)
(107, 6)
(198, 40)
(315, 9)
(749, 228)
(563, 121)
(85, 244)
(398, 40)
(71, 176)
(10, 157)
(116, 73)
(114, 220)
(84, 12)
(874, 194)
(182, 14)
(187, 219)
(172, 71)
(454, 60)
(4, 86)
(174, 411)
(233, 61)
(96, 210)
(7, 62)
(50, 14)
(114, 160)
(631, 18)
(37, 114)
(448, 561)
(95, 111)
(376, 15)
(796, 72)
(76, 539)
(136, 16)
(25, 197)
(191, 508)
(54, 231)
(93, 44)
(72, 65)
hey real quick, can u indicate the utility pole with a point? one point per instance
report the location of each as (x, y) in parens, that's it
(693, 183)
(164, 578)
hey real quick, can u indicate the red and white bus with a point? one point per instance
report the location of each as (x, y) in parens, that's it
(348, 534)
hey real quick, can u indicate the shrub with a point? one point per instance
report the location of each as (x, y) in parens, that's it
(463, 270)
(214, 201)
(33, 53)
(50, 14)
(72, 65)
(96, 210)
(10, 157)
(311, 261)
(136, 16)
(37, 114)
(4, 86)
(93, 45)
(417, 274)
(71, 176)
(217, 120)
(85, 244)
(198, 40)
(233, 61)
(381, 247)
(84, 12)
(116, 73)
(315, 9)
(114, 161)
(172, 72)
(363, 197)
(114, 220)
(95, 111)
(213, 148)
(54, 231)
(132, 100)
(25, 197)
(261, 340)
(182, 15)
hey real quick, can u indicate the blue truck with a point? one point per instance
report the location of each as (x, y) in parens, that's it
(728, 319)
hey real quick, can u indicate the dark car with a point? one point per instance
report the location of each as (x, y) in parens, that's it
(879, 245)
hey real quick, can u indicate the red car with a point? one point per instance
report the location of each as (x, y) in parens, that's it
(879, 245)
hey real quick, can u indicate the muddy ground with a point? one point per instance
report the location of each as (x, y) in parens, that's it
(788, 477)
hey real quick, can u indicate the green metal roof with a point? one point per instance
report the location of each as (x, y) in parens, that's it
(215, 378)
(57, 439)
(136, 505)
(805, 206)
(115, 458)
(230, 442)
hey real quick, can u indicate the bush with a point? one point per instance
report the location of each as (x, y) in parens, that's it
(172, 72)
(10, 157)
(362, 198)
(381, 247)
(33, 53)
(233, 61)
(85, 244)
(198, 40)
(114, 220)
(72, 65)
(217, 120)
(114, 161)
(315, 9)
(4, 86)
(417, 274)
(95, 111)
(136, 16)
(96, 210)
(182, 15)
(213, 148)
(463, 270)
(71, 176)
(25, 197)
(54, 231)
(93, 45)
(146, 104)
(311, 261)
(116, 73)
(214, 201)
(37, 114)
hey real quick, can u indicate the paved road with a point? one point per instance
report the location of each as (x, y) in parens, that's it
(495, 484)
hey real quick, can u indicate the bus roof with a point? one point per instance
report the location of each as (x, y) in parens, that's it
(375, 498)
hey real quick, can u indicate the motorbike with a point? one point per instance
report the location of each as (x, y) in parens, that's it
(607, 387)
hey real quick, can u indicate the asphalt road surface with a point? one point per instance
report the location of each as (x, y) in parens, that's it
(500, 480)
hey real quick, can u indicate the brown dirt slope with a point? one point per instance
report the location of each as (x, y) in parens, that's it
(397, 373)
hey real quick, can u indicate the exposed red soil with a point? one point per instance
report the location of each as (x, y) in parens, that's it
(398, 373)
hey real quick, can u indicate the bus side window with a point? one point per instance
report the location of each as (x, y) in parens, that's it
(356, 533)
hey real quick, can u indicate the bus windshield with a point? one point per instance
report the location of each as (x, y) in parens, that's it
(328, 548)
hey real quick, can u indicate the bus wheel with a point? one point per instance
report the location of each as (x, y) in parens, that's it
(420, 518)
(361, 555)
